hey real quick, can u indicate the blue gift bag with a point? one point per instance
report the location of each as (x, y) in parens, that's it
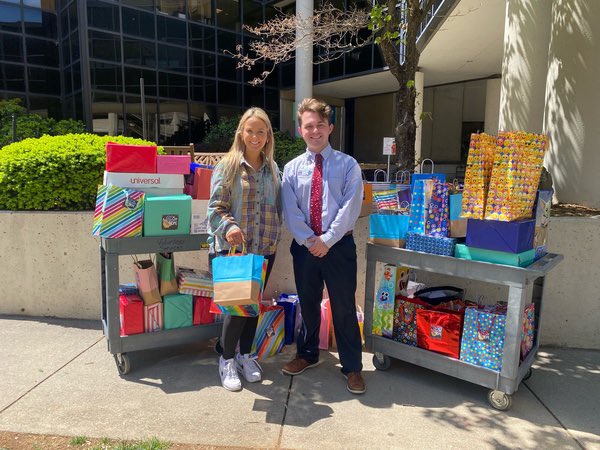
(420, 205)
(483, 337)
(438, 177)
(291, 309)
(388, 229)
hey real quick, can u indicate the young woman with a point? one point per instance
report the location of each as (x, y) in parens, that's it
(245, 210)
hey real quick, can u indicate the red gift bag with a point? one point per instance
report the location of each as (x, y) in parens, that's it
(130, 158)
(201, 186)
(131, 312)
(202, 314)
(440, 331)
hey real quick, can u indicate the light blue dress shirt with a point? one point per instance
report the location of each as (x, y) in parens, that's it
(342, 195)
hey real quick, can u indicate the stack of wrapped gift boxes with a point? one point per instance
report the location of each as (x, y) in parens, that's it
(501, 225)
(146, 194)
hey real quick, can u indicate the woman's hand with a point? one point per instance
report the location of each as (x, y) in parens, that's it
(235, 236)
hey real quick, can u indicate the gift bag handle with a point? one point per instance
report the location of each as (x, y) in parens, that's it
(233, 248)
(377, 172)
(403, 177)
(423, 163)
(487, 332)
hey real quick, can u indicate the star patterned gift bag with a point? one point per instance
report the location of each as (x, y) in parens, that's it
(420, 205)
(438, 212)
(482, 342)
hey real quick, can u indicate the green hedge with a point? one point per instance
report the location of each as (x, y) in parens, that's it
(54, 172)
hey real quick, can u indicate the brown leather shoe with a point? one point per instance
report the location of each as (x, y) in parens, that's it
(356, 383)
(297, 365)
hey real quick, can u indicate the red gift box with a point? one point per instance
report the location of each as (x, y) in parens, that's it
(201, 186)
(130, 158)
(202, 314)
(179, 164)
(131, 311)
(440, 330)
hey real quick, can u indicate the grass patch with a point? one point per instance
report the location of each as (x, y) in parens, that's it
(78, 441)
(149, 444)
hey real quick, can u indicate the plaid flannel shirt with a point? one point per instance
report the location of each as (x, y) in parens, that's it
(252, 203)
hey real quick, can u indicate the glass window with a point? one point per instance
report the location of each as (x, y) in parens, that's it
(66, 49)
(67, 77)
(210, 91)
(138, 23)
(331, 69)
(172, 86)
(172, 31)
(45, 106)
(103, 15)
(230, 93)
(64, 22)
(73, 24)
(105, 46)
(11, 48)
(76, 77)
(132, 81)
(42, 52)
(175, 8)
(227, 68)
(378, 61)
(10, 18)
(43, 81)
(144, 4)
(287, 74)
(172, 58)
(253, 14)
(139, 53)
(201, 11)
(272, 79)
(359, 60)
(227, 41)
(106, 77)
(202, 37)
(202, 64)
(74, 38)
(254, 96)
(228, 15)
(39, 23)
(272, 99)
(173, 122)
(197, 89)
(12, 77)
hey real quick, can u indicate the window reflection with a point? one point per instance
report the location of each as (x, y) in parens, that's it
(132, 81)
(172, 86)
(173, 123)
(43, 81)
(138, 23)
(202, 64)
(174, 8)
(172, 31)
(105, 76)
(12, 77)
(139, 53)
(172, 58)
(145, 4)
(103, 15)
(228, 15)
(107, 114)
(10, 48)
(201, 11)
(42, 52)
(202, 37)
(45, 106)
(253, 14)
(229, 93)
(105, 46)
(10, 18)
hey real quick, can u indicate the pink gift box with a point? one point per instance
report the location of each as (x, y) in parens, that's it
(153, 317)
(179, 164)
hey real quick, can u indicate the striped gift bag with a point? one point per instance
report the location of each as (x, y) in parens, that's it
(98, 209)
(270, 332)
(153, 317)
(122, 213)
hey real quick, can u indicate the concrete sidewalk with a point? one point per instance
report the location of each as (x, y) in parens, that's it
(57, 377)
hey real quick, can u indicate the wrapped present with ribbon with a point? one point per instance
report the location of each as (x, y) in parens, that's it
(438, 212)
(480, 162)
(238, 281)
(518, 163)
(153, 317)
(121, 215)
(270, 332)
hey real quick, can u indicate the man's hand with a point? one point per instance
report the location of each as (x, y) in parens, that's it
(317, 247)
(235, 236)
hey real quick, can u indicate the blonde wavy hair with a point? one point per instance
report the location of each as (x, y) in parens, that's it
(230, 164)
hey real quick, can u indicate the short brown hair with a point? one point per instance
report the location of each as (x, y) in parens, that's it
(313, 105)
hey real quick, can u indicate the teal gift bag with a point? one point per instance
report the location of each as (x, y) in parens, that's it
(388, 229)
(482, 341)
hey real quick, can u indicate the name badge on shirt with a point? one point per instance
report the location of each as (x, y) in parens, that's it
(305, 172)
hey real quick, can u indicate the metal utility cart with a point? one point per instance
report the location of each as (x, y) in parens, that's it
(502, 383)
(119, 346)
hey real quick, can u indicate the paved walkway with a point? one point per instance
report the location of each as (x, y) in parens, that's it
(57, 377)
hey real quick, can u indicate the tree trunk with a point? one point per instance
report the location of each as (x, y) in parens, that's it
(406, 127)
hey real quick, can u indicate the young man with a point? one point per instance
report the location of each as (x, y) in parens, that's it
(322, 197)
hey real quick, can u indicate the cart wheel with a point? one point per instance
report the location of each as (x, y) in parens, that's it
(381, 361)
(499, 400)
(123, 363)
(218, 346)
(528, 374)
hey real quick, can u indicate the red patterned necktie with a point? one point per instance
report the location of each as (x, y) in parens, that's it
(316, 198)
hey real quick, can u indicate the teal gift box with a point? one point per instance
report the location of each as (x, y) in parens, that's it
(177, 311)
(522, 259)
(169, 215)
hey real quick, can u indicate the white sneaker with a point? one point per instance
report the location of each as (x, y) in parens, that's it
(229, 376)
(249, 367)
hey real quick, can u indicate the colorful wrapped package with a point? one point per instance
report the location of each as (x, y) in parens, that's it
(528, 334)
(428, 244)
(98, 209)
(438, 212)
(270, 332)
(482, 342)
(515, 176)
(522, 259)
(131, 312)
(168, 215)
(480, 162)
(238, 282)
(178, 311)
(386, 200)
(153, 317)
(383, 306)
(177, 164)
(405, 319)
(420, 205)
(513, 237)
(122, 213)
(195, 282)
(130, 158)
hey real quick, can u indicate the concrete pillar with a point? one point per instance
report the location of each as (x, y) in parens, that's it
(304, 53)
(492, 105)
(420, 87)
(113, 124)
(525, 64)
(572, 111)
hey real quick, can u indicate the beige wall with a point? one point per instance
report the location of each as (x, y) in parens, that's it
(51, 268)
(373, 120)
